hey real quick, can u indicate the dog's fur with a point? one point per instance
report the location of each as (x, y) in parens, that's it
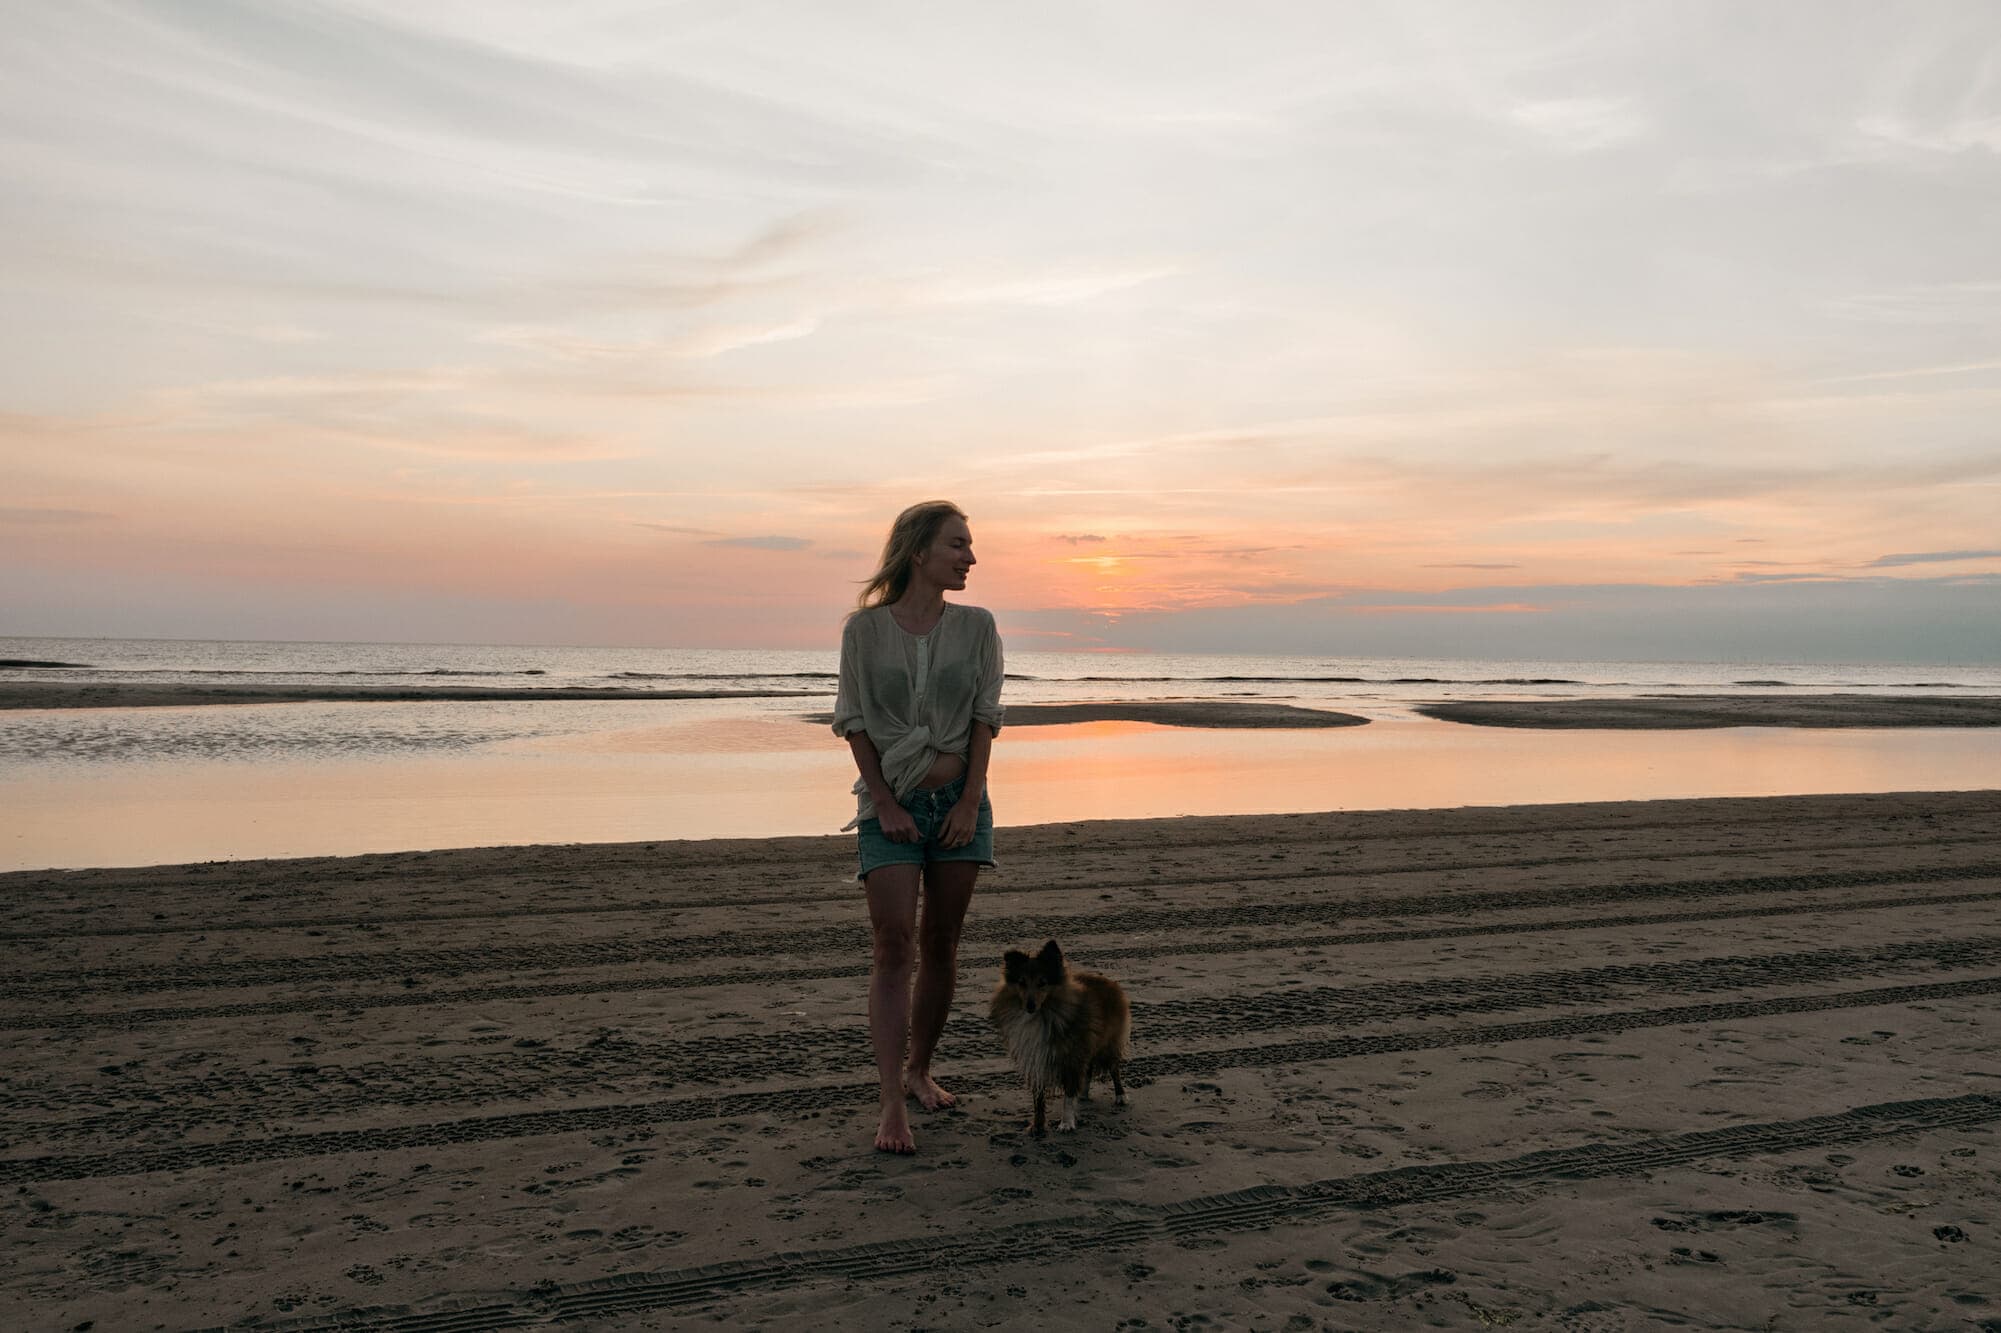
(1061, 1027)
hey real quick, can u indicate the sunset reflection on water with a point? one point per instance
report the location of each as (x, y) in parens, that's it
(705, 780)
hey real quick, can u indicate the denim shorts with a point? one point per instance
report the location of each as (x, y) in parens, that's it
(929, 808)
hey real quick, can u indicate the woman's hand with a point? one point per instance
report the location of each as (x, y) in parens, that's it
(897, 825)
(962, 821)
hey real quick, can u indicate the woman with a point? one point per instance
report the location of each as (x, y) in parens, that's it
(919, 705)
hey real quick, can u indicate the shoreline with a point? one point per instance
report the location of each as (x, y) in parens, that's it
(1721, 1054)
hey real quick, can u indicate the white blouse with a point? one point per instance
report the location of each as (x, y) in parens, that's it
(917, 695)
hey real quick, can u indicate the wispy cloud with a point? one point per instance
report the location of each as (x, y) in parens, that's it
(1968, 302)
(1980, 133)
(1446, 609)
(677, 530)
(763, 543)
(30, 515)
(1931, 558)
(1580, 124)
(1053, 288)
(715, 342)
(1916, 372)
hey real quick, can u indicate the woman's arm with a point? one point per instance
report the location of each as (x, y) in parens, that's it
(962, 821)
(897, 825)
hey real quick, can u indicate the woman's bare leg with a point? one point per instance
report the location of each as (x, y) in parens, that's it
(948, 890)
(892, 915)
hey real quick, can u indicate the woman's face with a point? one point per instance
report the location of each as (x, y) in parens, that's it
(948, 557)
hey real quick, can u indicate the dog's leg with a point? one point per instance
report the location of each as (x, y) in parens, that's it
(1037, 1128)
(1118, 1088)
(1070, 1088)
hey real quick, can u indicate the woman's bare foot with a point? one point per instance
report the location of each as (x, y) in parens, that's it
(919, 1084)
(893, 1134)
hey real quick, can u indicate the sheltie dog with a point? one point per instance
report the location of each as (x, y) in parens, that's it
(1061, 1027)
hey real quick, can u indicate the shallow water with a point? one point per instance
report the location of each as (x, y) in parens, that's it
(344, 781)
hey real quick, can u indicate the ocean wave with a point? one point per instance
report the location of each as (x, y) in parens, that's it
(1316, 680)
(724, 675)
(280, 671)
(453, 671)
(31, 662)
(1862, 684)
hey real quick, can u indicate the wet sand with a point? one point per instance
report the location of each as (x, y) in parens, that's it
(1686, 712)
(1719, 1063)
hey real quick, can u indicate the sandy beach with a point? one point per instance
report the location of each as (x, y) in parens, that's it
(1717, 1063)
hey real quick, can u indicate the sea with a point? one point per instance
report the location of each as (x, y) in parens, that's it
(744, 756)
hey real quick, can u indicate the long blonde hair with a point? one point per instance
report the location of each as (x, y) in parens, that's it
(914, 530)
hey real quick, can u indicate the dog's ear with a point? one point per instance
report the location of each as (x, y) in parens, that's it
(1013, 964)
(1051, 957)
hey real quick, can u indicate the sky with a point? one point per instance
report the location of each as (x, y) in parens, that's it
(1541, 330)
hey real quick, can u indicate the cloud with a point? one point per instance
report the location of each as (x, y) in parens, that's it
(1580, 124)
(1469, 565)
(1802, 576)
(1504, 608)
(1931, 558)
(1876, 619)
(1038, 289)
(1954, 137)
(1915, 372)
(1943, 303)
(1080, 538)
(763, 543)
(715, 342)
(677, 530)
(35, 515)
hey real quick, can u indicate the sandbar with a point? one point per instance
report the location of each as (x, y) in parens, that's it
(1222, 714)
(1695, 711)
(1704, 1063)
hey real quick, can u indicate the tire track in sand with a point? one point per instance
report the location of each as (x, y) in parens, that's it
(1073, 883)
(354, 1004)
(852, 937)
(1125, 1225)
(299, 1091)
(824, 1097)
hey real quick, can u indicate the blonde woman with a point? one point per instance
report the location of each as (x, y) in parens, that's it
(919, 705)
